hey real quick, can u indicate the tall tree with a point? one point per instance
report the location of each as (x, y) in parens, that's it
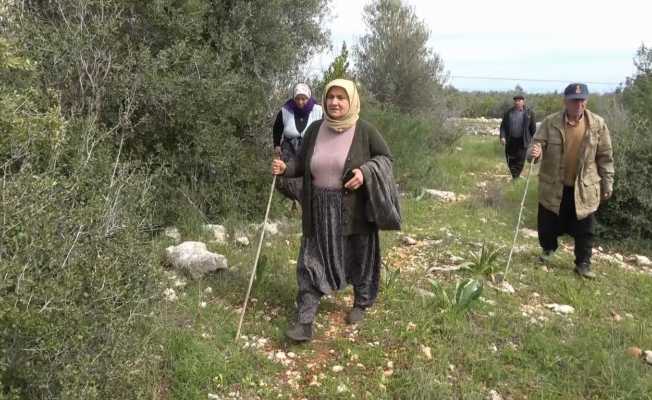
(339, 68)
(394, 61)
(638, 89)
(186, 83)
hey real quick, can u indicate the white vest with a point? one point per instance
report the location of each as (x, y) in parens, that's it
(290, 130)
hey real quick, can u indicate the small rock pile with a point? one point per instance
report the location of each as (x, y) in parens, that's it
(476, 126)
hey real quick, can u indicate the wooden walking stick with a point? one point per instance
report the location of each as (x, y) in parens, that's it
(253, 269)
(518, 223)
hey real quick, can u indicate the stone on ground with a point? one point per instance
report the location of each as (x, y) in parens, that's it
(173, 233)
(643, 261)
(562, 309)
(194, 258)
(170, 295)
(409, 241)
(648, 356)
(445, 268)
(272, 228)
(494, 395)
(242, 241)
(456, 259)
(529, 233)
(424, 293)
(426, 352)
(444, 196)
(504, 287)
(218, 232)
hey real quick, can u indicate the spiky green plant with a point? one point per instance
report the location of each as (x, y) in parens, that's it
(465, 293)
(483, 261)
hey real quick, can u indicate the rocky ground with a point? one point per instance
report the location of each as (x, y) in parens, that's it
(538, 332)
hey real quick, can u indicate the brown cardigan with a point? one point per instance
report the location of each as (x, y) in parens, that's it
(367, 143)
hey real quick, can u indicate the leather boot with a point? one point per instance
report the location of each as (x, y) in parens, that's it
(300, 332)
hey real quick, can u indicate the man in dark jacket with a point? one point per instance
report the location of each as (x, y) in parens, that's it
(516, 131)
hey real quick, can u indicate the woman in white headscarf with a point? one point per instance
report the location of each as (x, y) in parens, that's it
(340, 246)
(291, 123)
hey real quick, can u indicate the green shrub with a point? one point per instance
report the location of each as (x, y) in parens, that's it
(627, 217)
(130, 116)
(414, 140)
(76, 276)
(189, 86)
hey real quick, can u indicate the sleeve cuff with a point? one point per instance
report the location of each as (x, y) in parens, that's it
(291, 169)
(607, 185)
(365, 172)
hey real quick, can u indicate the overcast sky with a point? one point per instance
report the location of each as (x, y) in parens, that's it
(590, 41)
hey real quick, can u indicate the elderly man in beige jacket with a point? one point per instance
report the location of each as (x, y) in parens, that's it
(576, 175)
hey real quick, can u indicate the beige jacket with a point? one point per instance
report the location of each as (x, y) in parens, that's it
(595, 172)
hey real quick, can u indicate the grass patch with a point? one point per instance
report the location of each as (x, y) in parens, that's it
(413, 345)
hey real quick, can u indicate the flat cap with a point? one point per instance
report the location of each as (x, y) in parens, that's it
(576, 91)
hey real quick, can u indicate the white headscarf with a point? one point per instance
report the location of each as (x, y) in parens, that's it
(303, 89)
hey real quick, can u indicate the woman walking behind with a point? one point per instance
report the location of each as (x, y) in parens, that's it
(291, 124)
(349, 194)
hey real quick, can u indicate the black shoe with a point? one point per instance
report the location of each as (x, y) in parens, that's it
(584, 270)
(355, 315)
(300, 332)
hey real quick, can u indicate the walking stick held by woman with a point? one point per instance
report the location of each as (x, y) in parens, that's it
(260, 246)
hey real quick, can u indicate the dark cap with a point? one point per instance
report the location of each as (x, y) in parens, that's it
(519, 97)
(576, 91)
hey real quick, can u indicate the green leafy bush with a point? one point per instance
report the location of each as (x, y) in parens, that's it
(190, 87)
(414, 140)
(128, 115)
(628, 215)
(76, 271)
